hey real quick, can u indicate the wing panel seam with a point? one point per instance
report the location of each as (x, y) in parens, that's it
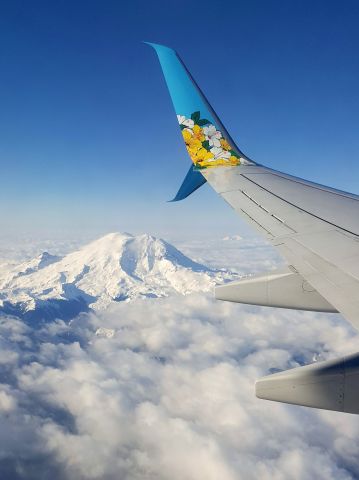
(300, 208)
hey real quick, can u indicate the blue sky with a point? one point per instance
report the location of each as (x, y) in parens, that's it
(89, 140)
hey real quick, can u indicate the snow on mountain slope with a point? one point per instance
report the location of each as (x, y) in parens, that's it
(116, 267)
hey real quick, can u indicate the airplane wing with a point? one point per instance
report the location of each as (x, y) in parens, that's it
(315, 228)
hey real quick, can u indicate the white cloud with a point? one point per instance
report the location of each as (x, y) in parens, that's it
(247, 255)
(170, 394)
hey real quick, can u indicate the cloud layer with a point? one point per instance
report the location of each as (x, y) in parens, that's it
(164, 388)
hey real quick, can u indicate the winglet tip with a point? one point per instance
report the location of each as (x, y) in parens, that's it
(159, 47)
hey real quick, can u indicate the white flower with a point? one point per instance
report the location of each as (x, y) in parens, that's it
(212, 135)
(220, 153)
(187, 122)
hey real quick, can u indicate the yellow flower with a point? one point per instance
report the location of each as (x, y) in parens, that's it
(203, 155)
(234, 160)
(198, 133)
(193, 146)
(219, 162)
(193, 141)
(225, 144)
(199, 155)
(192, 153)
(214, 163)
(187, 136)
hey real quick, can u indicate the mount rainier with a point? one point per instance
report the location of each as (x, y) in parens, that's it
(116, 267)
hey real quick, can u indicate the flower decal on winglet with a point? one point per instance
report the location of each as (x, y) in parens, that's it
(212, 135)
(185, 122)
(205, 144)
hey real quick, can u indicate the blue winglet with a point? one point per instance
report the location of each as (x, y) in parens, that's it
(193, 180)
(207, 141)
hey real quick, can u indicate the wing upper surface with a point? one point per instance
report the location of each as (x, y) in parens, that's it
(314, 228)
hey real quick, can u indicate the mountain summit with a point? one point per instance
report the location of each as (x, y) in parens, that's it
(116, 267)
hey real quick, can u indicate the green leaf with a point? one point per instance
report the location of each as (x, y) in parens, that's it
(206, 145)
(182, 127)
(196, 116)
(197, 166)
(232, 152)
(203, 121)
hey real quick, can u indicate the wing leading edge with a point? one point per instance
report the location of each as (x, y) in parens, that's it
(315, 228)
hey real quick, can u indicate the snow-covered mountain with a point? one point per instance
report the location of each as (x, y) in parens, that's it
(116, 267)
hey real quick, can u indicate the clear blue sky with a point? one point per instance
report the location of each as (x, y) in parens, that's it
(88, 136)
